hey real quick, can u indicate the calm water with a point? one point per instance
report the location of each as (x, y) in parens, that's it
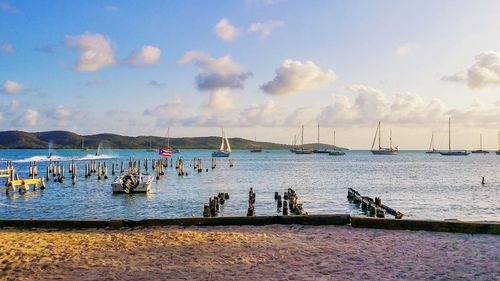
(419, 185)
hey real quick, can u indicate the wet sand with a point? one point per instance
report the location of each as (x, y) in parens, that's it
(276, 252)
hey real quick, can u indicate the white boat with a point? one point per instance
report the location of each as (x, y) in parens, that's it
(225, 148)
(132, 183)
(383, 150)
(480, 150)
(302, 150)
(335, 151)
(452, 152)
(432, 150)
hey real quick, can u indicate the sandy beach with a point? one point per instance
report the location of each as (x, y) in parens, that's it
(276, 252)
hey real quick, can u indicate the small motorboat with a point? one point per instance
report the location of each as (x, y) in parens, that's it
(132, 183)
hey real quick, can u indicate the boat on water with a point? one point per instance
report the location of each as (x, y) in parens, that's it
(480, 150)
(302, 150)
(452, 152)
(256, 149)
(335, 151)
(383, 150)
(167, 151)
(294, 144)
(432, 150)
(132, 183)
(225, 148)
(320, 150)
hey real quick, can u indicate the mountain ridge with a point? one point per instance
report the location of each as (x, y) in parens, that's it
(60, 139)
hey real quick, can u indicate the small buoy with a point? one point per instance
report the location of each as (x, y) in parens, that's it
(483, 182)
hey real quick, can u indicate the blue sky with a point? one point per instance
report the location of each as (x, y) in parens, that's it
(256, 68)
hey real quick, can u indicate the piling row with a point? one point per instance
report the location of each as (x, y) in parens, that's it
(251, 203)
(214, 205)
(370, 206)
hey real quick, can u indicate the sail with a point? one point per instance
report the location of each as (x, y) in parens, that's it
(228, 146)
(222, 142)
(375, 137)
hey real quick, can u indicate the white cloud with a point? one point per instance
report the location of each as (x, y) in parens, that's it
(265, 28)
(226, 31)
(295, 76)
(14, 105)
(4, 6)
(171, 109)
(12, 87)
(26, 119)
(61, 114)
(94, 51)
(407, 49)
(192, 55)
(7, 48)
(301, 116)
(371, 105)
(484, 73)
(147, 55)
(266, 114)
(477, 115)
(220, 100)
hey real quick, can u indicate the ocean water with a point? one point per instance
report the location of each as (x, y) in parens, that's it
(419, 185)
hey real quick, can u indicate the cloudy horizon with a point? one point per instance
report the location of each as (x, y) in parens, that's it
(257, 68)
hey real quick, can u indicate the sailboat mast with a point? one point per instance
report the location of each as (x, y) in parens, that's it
(302, 137)
(480, 141)
(431, 145)
(334, 147)
(168, 138)
(318, 136)
(379, 145)
(449, 134)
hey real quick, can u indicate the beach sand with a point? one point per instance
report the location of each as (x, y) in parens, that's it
(275, 252)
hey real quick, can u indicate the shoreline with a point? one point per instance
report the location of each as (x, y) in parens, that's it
(317, 220)
(271, 252)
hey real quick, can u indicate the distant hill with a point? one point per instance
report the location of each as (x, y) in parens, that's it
(70, 140)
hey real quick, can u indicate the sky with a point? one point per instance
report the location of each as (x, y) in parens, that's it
(257, 68)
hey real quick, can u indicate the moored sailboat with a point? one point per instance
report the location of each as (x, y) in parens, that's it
(480, 150)
(319, 150)
(432, 150)
(335, 151)
(256, 149)
(452, 152)
(302, 150)
(225, 148)
(383, 150)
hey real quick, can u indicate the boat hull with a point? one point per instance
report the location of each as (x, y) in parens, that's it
(336, 153)
(256, 150)
(385, 152)
(143, 186)
(480, 152)
(220, 154)
(498, 152)
(454, 153)
(321, 151)
(303, 151)
(432, 151)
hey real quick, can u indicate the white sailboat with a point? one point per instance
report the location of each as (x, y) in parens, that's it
(335, 151)
(432, 150)
(301, 150)
(383, 150)
(452, 152)
(225, 148)
(480, 150)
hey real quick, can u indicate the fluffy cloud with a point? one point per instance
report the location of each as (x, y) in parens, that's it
(371, 105)
(266, 114)
(61, 114)
(147, 55)
(94, 51)
(27, 119)
(477, 115)
(172, 109)
(265, 28)
(6, 7)
(7, 48)
(226, 31)
(484, 73)
(301, 116)
(295, 76)
(12, 87)
(407, 49)
(217, 76)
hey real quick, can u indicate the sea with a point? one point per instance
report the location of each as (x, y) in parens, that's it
(419, 185)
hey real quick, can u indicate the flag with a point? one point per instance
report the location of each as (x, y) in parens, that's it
(165, 152)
